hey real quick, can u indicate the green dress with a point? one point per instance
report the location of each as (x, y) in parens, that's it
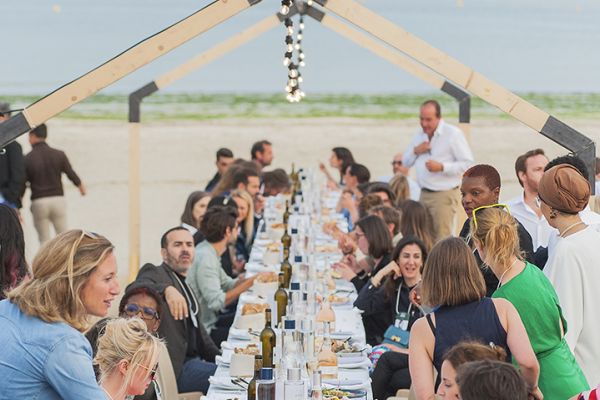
(536, 301)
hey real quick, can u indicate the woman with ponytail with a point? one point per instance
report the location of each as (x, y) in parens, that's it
(494, 233)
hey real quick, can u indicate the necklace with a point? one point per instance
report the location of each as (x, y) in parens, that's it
(562, 234)
(504, 273)
(108, 394)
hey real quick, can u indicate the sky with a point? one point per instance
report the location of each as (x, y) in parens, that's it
(525, 45)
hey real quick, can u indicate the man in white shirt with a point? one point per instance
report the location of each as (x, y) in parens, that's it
(440, 154)
(529, 168)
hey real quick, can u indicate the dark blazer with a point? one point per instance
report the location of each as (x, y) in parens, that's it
(175, 332)
(213, 182)
(12, 173)
(525, 242)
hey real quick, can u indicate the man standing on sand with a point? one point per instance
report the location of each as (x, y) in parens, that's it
(440, 154)
(529, 168)
(262, 154)
(44, 167)
(12, 168)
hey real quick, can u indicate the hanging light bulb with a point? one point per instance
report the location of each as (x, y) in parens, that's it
(293, 82)
(301, 25)
(288, 88)
(299, 36)
(309, 2)
(287, 61)
(300, 79)
(293, 73)
(290, 48)
(302, 64)
(290, 30)
(285, 10)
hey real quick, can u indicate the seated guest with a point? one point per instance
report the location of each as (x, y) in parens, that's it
(372, 239)
(240, 176)
(194, 210)
(453, 283)
(44, 353)
(401, 170)
(340, 159)
(140, 301)
(127, 358)
(13, 267)
(384, 192)
(210, 284)
(480, 187)
(262, 154)
(401, 189)
(491, 380)
(494, 233)
(355, 175)
(367, 203)
(573, 266)
(190, 347)
(391, 217)
(224, 160)
(460, 354)
(416, 221)
(385, 303)
(275, 182)
(245, 220)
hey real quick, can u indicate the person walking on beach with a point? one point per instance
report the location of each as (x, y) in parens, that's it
(44, 167)
(440, 154)
(12, 168)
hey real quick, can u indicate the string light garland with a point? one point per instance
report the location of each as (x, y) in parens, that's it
(294, 94)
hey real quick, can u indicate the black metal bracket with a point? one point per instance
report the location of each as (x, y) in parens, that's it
(135, 100)
(463, 98)
(12, 128)
(575, 141)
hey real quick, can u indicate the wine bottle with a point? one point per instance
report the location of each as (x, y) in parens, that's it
(281, 298)
(267, 340)
(286, 239)
(258, 363)
(265, 388)
(286, 268)
(286, 214)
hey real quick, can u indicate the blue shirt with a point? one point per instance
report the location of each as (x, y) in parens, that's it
(45, 361)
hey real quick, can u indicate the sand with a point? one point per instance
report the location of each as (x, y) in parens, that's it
(178, 158)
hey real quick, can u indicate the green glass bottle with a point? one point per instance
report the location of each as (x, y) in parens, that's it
(267, 340)
(258, 362)
(286, 239)
(286, 268)
(286, 213)
(281, 298)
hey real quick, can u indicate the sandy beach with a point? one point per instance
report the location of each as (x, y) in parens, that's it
(178, 157)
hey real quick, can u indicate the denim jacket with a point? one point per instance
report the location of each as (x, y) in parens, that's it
(45, 361)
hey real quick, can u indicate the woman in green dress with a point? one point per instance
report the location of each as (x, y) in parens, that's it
(494, 233)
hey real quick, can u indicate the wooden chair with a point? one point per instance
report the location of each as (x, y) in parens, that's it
(167, 381)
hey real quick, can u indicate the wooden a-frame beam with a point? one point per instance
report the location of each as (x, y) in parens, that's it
(128, 61)
(466, 78)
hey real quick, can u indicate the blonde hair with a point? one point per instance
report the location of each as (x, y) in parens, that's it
(61, 269)
(128, 340)
(400, 187)
(249, 221)
(497, 233)
(451, 276)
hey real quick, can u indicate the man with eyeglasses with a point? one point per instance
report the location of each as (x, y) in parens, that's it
(480, 188)
(191, 349)
(12, 167)
(440, 154)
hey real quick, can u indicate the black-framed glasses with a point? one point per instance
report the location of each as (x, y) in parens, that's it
(134, 310)
(396, 162)
(152, 371)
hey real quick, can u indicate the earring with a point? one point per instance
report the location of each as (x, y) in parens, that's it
(553, 213)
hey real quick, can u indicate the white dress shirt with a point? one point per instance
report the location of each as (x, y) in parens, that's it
(538, 228)
(574, 270)
(449, 147)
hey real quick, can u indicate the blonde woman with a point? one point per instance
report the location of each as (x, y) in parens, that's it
(245, 219)
(127, 358)
(44, 353)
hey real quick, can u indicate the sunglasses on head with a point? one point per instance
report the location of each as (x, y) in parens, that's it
(152, 371)
(474, 213)
(147, 313)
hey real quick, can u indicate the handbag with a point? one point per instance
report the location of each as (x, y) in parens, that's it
(398, 333)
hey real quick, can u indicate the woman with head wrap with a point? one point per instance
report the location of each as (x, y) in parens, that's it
(574, 267)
